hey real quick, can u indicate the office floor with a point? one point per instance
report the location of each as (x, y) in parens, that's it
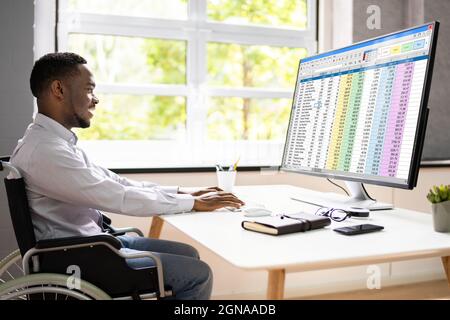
(418, 291)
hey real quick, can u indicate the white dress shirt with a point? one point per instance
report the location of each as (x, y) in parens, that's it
(66, 190)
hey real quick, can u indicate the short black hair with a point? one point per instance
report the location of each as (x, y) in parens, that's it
(53, 66)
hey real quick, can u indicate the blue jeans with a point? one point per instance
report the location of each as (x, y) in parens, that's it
(188, 276)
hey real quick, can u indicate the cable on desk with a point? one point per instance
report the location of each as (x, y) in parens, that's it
(364, 188)
(346, 192)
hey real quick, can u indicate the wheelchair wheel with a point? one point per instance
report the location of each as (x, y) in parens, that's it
(49, 286)
(11, 267)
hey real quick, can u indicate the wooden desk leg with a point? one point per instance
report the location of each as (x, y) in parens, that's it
(275, 288)
(446, 263)
(156, 227)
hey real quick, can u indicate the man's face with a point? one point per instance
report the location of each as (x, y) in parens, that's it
(81, 99)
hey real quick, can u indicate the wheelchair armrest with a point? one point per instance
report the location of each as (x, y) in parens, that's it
(107, 226)
(122, 231)
(71, 241)
(106, 219)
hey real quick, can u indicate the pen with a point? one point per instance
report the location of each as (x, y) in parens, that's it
(234, 166)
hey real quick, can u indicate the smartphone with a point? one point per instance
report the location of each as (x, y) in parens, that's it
(359, 229)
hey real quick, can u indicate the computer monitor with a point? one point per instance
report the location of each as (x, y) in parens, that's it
(359, 114)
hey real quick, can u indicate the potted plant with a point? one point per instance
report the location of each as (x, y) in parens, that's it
(440, 205)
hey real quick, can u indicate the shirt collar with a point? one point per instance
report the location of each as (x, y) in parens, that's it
(55, 127)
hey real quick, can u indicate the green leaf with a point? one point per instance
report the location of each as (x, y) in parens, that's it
(443, 192)
(435, 190)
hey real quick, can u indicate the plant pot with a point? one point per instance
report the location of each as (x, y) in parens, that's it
(441, 216)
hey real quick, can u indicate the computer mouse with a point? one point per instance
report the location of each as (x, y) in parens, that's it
(256, 212)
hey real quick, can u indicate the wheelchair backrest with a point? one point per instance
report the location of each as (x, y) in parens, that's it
(20, 213)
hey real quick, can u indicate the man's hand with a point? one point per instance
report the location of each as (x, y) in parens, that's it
(207, 190)
(216, 200)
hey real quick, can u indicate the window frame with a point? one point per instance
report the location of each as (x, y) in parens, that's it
(197, 31)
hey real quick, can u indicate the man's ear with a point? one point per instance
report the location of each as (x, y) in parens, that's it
(57, 89)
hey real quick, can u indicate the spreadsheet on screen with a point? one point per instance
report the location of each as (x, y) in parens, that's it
(356, 109)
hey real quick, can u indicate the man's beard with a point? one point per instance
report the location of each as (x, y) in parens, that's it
(82, 123)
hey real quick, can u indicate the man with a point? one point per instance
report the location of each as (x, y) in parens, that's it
(66, 189)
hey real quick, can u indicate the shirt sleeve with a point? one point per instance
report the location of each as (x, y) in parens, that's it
(133, 183)
(62, 173)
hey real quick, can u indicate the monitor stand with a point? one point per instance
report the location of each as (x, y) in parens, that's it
(358, 198)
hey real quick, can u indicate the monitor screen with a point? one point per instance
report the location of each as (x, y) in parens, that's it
(359, 113)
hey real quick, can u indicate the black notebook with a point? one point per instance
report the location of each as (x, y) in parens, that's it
(289, 223)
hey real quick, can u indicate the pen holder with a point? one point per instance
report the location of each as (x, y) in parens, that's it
(226, 180)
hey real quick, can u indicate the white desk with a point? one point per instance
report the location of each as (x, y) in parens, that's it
(407, 235)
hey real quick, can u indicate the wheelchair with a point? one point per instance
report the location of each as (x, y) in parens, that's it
(80, 268)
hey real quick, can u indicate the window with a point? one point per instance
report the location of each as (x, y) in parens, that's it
(189, 83)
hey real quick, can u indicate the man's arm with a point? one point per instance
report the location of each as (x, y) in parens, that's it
(63, 175)
(216, 198)
(133, 183)
(147, 184)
